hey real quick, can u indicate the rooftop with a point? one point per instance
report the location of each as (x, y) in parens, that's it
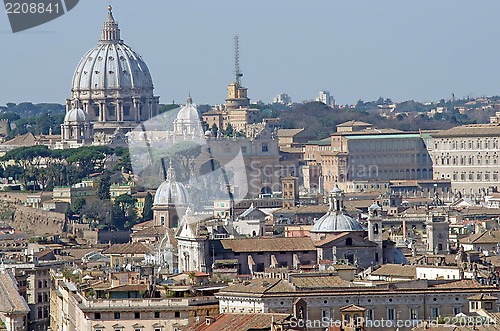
(268, 245)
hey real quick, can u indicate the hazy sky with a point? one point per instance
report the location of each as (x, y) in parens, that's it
(358, 49)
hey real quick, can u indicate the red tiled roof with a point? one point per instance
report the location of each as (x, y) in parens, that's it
(240, 322)
(135, 248)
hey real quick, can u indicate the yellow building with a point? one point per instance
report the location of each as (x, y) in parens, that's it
(86, 189)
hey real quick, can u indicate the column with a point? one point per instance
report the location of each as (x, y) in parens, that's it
(136, 109)
(119, 111)
(101, 112)
(104, 110)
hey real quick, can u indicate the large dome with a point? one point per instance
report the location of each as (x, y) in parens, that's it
(112, 83)
(112, 65)
(171, 191)
(75, 116)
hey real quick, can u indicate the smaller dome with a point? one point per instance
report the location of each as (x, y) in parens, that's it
(76, 115)
(336, 223)
(188, 113)
(171, 191)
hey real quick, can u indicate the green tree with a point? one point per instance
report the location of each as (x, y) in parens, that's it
(104, 185)
(78, 205)
(123, 163)
(214, 130)
(98, 210)
(124, 213)
(147, 211)
(228, 132)
(183, 154)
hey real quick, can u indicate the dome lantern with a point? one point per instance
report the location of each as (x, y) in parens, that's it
(110, 30)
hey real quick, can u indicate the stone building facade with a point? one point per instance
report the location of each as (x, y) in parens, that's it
(468, 156)
(358, 153)
(315, 297)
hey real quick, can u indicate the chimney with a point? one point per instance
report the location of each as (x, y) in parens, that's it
(209, 320)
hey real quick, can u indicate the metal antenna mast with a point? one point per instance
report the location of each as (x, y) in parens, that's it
(237, 70)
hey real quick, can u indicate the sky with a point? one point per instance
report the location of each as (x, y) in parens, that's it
(422, 50)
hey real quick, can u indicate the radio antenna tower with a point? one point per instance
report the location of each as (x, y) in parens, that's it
(237, 70)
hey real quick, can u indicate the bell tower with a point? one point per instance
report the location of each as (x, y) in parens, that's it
(438, 230)
(375, 231)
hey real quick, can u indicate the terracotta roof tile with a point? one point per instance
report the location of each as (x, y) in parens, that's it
(396, 270)
(269, 244)
(240, 322)
(134, 248)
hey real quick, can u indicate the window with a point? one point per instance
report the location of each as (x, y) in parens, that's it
(434, 312)
(177, 314)
(391, 316)
(370, 315)
(457, 310)
(157, 314)
(97, 316)
(413, 313)
(117, 316)
(265, 147)
(137, 315)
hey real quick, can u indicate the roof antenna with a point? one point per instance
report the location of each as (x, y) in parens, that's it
(237, 70)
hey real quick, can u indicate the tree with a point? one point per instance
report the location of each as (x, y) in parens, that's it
(98, 210)
(78, 205)
(214, 130)
(124, 163)
(228, 131)
(104, 185)
(147, 211)
(184, 154)
(124, 213)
